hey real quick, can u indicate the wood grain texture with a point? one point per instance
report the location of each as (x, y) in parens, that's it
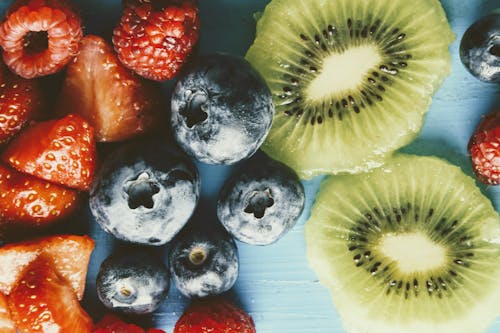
(276, 285)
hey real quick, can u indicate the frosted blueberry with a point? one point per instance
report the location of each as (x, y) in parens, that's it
(261, 202)
(145, 192)
(222, 109)
(132, 282)
(204, 263)
(480, 49)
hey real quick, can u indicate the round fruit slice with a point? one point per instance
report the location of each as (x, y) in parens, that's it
(351, 79)
(412, 246)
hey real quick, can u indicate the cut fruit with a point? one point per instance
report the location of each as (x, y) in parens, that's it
(70, 255)
(43, 302)
(117, 103)
(6, 322)
(412, 246)
(351, 79)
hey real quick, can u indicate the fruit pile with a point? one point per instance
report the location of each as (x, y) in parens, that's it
(88, 128)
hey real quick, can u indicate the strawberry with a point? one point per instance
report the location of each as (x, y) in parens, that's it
(113, 324)
(484, 149)
(6, 323)
(44, 302)
(70, 256)
(214, 315)
(30, 203)
(20, 100)
(62, 151)
(118, 103)
(39, 37)
(154, 37)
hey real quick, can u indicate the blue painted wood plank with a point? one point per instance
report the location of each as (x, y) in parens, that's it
(276, 285)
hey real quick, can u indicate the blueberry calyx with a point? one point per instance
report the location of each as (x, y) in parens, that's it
(125, 294)
(258, 202)
(195, 113)
(140, 191)
(494, 50)
(198, 255)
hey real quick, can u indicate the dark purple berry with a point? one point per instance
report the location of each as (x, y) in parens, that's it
(133, 282)
(480, 49)
(145, 192)
(203, 263)
(261, 202)
(222, 109)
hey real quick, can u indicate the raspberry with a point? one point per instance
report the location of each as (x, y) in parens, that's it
(484, 149)
(39, 37)
(154, 37)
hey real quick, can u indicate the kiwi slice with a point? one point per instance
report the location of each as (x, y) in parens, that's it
(351, 79)
(412, 246)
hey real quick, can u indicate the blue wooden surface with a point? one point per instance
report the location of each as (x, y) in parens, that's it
(276, 285)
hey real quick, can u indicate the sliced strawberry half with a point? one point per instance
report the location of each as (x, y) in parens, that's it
(62, 151)
(20, 101)
(116, 102)
(70, 256)
(6, 322)
(44, 302)
(29, 203)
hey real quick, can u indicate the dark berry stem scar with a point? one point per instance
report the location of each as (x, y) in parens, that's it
(198, 255)
(125, 292)
(495, 50)
(35, 42)
(195, 113)
(140, 191)
(258, 202)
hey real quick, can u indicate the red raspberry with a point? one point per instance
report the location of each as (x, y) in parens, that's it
(484, 149)
(39, 37)
(154, 37)
(214, 315)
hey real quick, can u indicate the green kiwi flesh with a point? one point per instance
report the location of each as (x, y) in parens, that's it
(351, 79)
(412, 246)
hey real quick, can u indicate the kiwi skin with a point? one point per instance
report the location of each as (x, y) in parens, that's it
(409, 194)
(350, 130)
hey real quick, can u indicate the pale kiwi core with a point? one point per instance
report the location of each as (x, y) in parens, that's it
(413, 252)
(343, 72)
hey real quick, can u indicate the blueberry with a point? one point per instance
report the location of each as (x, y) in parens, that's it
(480, 49)
(132, 282)
(222, 109)
(203, 263)
(145, 192)
(261, 202)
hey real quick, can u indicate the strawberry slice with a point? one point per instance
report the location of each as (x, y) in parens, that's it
(30, 203)
(62, 151)
(111, 323)
(6, 323)
(70, 256)
(117, 102)
(20, 101)
(44, 302)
